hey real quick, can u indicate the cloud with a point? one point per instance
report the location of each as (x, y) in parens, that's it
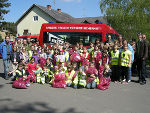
(71, 0)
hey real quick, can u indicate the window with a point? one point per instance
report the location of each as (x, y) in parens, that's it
(113, 36)
(35, 18)
(71, 37)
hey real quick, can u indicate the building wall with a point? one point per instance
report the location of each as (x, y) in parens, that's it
(33, 27)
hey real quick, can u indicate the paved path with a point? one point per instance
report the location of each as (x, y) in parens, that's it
(131, 98)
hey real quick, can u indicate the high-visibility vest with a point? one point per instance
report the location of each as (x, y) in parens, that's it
(125, 58)
(69, 77)
(114, 57)
(60, 58)
(30, 53)
(66, 56)
(21, 73)
(38, 72)
(80, 79)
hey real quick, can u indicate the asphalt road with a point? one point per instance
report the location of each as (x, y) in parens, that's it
(130, 98)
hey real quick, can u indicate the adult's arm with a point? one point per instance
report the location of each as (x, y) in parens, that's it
(145, 55)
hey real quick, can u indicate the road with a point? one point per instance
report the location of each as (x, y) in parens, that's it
(130, 98)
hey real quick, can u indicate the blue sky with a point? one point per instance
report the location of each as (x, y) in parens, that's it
(75, 8)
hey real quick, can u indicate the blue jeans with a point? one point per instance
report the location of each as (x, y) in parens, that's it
(75, 86)
(91, 85)
(6, 66)
(68, 84)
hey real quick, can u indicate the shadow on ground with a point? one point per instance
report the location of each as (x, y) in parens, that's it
(2, 75)
(37, 107)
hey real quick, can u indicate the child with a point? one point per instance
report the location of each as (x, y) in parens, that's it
(104, 80)
(85, 54)
(50, 54)
(107, 71)
(60, 59)
(30, 52)
(36, 57)
(32, 65)
(69, 75)
(24, 54)
(114, 61)
(49, 64)
(80, 79)
(66, 53)
(20, 72)
(38, 73)
(105, 58)
(91, 76)
(47, 74)
(125, 62)
(43, 54)
(81, 47)
(59, 79)
(27, 75)
(97, 56)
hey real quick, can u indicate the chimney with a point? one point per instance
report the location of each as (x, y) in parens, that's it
(59, 10)
(49, 7)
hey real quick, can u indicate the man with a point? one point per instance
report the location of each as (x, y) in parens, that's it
(141, 55)
(29, 43)
(5, 51)
(109, 39)
(120, 41)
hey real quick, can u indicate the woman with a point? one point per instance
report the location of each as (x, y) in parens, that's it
(15, 59)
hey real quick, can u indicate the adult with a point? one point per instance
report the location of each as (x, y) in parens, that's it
(120, 41)
(19, 45)
(24, 44)
(141, 55)
(5, 51)
(109, 39)
(15, 59)
(29, 43)
(146, 43)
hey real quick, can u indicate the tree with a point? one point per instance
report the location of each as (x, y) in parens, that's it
(3, 5)
(128, 17)
(10, 27)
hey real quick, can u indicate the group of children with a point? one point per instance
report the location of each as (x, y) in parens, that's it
(64, 66)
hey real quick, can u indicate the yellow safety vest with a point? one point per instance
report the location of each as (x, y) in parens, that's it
(66, 53)
(125, 58)
(69, 77)
(79, 80)
(114, 57)
(20, 73)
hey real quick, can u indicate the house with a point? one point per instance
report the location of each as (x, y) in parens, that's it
(30, 22)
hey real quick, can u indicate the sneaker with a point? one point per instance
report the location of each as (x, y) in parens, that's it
(28, 85)
(6, 78)
(129, 81)
(124, 80)
(142, 83)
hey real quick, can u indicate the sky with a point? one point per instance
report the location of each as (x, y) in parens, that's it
(75, 8)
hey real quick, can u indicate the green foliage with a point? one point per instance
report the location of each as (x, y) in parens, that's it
(3, 4)
(128, 17)
(10, 26)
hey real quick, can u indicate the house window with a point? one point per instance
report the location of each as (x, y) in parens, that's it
(35, 18)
